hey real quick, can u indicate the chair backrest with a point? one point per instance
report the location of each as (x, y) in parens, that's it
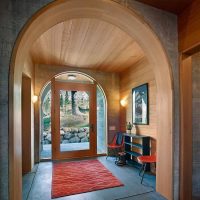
(119, 138)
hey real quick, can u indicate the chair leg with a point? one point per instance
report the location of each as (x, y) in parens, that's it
(141, 169)
(143, 172)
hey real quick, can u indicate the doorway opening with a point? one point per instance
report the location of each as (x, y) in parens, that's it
(74, 121)
(125, 19)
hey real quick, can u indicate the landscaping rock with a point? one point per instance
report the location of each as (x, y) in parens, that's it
(75, 140)
(66, 129)
(68, 135)
(81, 130)
(87, 129)
(81, 134)
(48, 138)
(65, 141)
(45, 134)
(74, 130)
(85, 139)
(62, 132)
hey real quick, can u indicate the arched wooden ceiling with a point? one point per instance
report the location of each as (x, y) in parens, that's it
(87, 43)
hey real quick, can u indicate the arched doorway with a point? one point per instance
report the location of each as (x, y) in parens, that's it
(133, 25)
(74, 136)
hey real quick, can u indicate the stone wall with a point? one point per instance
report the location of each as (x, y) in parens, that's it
(14, 15)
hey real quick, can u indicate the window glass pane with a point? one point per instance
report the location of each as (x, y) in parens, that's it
(74, 120)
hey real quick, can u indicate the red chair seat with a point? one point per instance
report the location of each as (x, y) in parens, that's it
(144, 160)
(114, 146)
(147, 159)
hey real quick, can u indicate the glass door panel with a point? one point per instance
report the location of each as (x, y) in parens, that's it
(74, 120)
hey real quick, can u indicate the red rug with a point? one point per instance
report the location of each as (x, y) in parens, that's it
(81, 176)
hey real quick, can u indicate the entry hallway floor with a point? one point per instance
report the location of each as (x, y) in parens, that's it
(37, 184)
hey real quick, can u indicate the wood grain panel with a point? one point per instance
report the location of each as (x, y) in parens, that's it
(26, 125)
(133, 77)
(87, 43)
(189, 27)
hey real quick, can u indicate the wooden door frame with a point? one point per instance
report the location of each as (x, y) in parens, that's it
(186, 144)
(56, 154)
(27, 134)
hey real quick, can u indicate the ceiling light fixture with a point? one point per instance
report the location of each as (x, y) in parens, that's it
(71, 77)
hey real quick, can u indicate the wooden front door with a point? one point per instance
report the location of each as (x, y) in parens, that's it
(73, 120)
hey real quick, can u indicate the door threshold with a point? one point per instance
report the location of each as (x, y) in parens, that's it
(45, 159)
(71, 159)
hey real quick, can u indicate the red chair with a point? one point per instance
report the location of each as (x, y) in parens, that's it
(144, 160)
(116, 145)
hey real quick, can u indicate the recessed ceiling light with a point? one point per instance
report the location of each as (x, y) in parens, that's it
(71, 77)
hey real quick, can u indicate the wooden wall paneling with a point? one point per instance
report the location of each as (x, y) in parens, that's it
(132, 77)
(53, 120)
(189, 27)
(28, 70)
(123, 119)
(186, 128)
(26, 125)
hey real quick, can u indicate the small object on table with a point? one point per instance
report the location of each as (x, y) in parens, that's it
(129, 127)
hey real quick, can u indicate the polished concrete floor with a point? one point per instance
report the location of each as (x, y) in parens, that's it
(37, 184)
(46, 151)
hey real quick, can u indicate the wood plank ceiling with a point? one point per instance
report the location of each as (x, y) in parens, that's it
(87, 43)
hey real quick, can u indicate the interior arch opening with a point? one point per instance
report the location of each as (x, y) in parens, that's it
(122, 21)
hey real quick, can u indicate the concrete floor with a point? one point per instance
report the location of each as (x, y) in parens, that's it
(46, 152)
(37, 184)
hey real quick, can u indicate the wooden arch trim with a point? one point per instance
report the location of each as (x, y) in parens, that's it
(132, 24)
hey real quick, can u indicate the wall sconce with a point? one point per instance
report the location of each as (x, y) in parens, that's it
(123, 102)
(34, 99)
